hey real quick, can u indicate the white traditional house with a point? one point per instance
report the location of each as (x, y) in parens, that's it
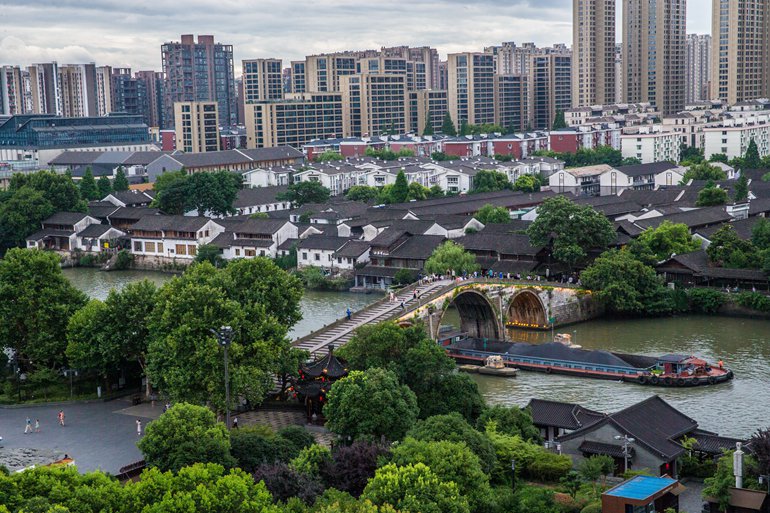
(98, 237)
(59, 232)
(319, 251)
(255, 237)
(353, 253)
(172, 236)
(585, 180)
(268, 177)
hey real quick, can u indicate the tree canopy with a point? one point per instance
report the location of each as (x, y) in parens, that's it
(414, 489)
(300, 193)
(741, 189)
(488, 180)
(729, 250)
(448, 126)
(656, 244)
(490, 214)
(87, 185)
(570, 229)
(703, 171)
(587, 157)
(363, 193)
(558, 121)
(329, 156)
(36, 302)
(370, 404)
(451, 256)
(527, 183)
(711, 195)
(121, 182)
(103, 186)
(207, 193)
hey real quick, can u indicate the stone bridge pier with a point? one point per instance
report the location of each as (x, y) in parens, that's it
(487, 308)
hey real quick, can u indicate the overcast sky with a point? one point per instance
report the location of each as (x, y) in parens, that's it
(128, 33)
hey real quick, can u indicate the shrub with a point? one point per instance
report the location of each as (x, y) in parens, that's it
(312, 459)
(404, 277)
(353, 465)
(705, 300)
(298, 436)
(549, 467)
(284, 482)
(594, 507)
(252, 447)
(87, 261)
(753, 300)
(123, 260)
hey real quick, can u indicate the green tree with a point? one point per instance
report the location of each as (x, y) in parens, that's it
(363, 193)
(751, 159)
(428, 129)
(535, 500)
(760, 233)
(372, 404)
(490, 181)
(414, 489)
(656, 244)
(452, 427)
(450, 256)
(689, 155)
(103, 187)
(102, 336)
(490, 214)
(36, 302)
(760, 449)
(625, 284)
(21, 215)
(719, 485)
(595, 467)
(120, 183)
(558, 121)
(729, 250)
(703, 171)
(570, 229)
(211, 254)
(450, 461)
(718, 157)
(183, 435)
(711, 195)
(418, 192)
(254, 297)
(741, 189)
(510, 420)
(87, 185)
(465, 128)
(329, 156)
(448, 126)
(58, 189)
(171, 192)
(400, 191)
(440, 156)
(436, 192)
(212, 193)
(527, 183)
(301, 193)
(631, 161)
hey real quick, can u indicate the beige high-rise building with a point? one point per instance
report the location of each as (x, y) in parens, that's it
(697, 68)
(740, 53)
(654, 53)
(196, 126)
(11, 91)
(262, 80)
(323, 72)
(593, 47)
(471, 88)
(374, 104)
(78, 90)
(103, 90)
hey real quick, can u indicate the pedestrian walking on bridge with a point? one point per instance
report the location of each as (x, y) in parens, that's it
(348, 313)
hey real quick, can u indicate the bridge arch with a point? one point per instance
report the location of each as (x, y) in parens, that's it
(477, 316)
(526, 309)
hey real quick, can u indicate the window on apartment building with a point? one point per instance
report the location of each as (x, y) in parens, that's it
(137, 245)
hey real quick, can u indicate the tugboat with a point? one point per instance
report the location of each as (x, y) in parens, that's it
(683, 370)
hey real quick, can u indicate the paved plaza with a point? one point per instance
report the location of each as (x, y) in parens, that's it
(98, 435)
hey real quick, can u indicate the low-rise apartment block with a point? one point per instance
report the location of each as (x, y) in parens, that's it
(650, 143)
(733, 136)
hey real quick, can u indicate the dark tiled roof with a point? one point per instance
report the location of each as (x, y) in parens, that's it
(94, 230)
(223, 240)
(759, 206)
(132, 198)
(258, 196)
(418, 247)
(377, 271)
(352, 249)
(65, 218)
(143, 158)
(275, 153)
(564, 415)
(698, 263)
(42, 234)
(742, 228)
(613, 450)
(692, 218)
(176, 223)
(651, 168)
(259, 226)
(75, 158)
(661, 196)
(329, 365)
(322, 242)
(133, 213)
(97, 170)
(712, 443)
(507, 244)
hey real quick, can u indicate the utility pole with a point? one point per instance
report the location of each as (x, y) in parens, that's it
(224, 338)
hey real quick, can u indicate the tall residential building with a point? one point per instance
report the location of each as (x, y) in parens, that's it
(424, 105)
(153, 83)
(511, 59)
(103, 90)
(654, 53)
(262, 80)
(549, 86)
(593, 47)
(199, 71)
(297, 76)
(374, 104)
(740, 54)
(697, 68)
(471, 88)
(443, 75)
(44, 88)
(11, 91)
(196, 125)
(129, 94)
(77, 83)
(619, 73)
(323, 72)
(425, 61)
(294, 122)
(511, 102)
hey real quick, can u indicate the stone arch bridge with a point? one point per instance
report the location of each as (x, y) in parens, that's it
(485, 307)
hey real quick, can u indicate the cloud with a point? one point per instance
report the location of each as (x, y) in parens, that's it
(129, 34)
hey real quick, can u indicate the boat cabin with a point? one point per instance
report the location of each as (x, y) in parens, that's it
(682, 365)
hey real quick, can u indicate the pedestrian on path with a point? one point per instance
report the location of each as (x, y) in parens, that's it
(348, 313)
(28, 427)
(37, 425)
(403, 306)
(138, 427)
(414, 296)
(235, 422)
(61, 417)
(392, 296)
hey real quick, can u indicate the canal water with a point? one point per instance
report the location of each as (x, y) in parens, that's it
(318, 308)
(736, 408)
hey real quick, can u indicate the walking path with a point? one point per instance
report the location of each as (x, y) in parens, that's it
(339, 332)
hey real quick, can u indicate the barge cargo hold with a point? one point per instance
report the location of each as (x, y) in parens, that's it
(555, 357)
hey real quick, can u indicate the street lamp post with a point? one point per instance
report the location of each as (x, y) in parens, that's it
(70, 373)
(224, 337)
(626, 442)
(513, 475)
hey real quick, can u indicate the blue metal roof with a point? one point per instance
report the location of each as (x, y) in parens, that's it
(641, 487)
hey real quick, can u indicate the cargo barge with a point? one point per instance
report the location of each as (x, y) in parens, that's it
(672, 370)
